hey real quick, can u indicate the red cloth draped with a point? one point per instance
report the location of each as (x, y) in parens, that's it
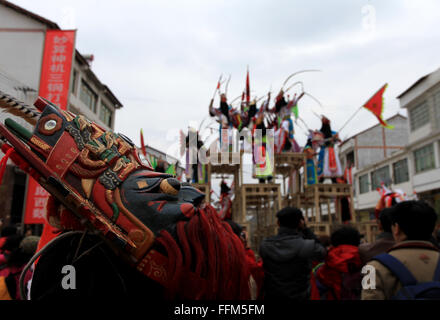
(337, 262)
(332, 159)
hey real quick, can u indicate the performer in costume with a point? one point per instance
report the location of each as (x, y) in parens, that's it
(195, 172)
(262, 151)
(242, 119)
(224, 117)
(329, 165)
(312, 177)
(225, 212)
(388, 198)
(128, 231)
(284, 134)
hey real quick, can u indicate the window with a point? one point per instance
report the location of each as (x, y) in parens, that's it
(437, 108)
(74, 80)
(380, 175)
(364, 184)
(350, 158)
(105, 115)
(88, 96)
(424, 158)
(400, 170)
(419, 116)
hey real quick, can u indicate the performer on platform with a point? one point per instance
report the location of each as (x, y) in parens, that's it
(284, 135)
(224, 115)
(329, 165)
(242, 118)
(262, 150)
(312, 177)
(225, 212)
(195, 172)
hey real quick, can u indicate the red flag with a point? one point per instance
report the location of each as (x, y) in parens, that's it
(218, 84)
(36, 196)
(143, 149)
(248, 90)
(375, 105)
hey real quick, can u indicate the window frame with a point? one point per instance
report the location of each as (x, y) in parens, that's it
(73, 87)
(362, 191)
(415, 115)
(436, 99)
(425, 147)
(109, 110)
(373, 185)
(395, 180)
(84, 84)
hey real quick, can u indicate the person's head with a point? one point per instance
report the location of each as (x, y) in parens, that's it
(224, 189)
(385, 219)
(290, 217)
(8, 231)
(413, 220)
(160, 166)
(325, 240)
(345, 235)
(325, 120)
(24, 252)
(325, 128)
(12, 242)
(280, 95)
(238, 230)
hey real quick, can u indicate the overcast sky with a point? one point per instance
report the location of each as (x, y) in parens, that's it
(162, 58)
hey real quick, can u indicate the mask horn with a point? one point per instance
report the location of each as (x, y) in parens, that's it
(18, 108)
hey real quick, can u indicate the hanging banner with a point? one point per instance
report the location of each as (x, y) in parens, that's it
(56, 68)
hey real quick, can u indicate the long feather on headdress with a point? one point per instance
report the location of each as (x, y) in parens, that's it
(182, 138)
(143, 148)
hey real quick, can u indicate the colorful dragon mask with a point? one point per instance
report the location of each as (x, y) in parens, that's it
(98, 176)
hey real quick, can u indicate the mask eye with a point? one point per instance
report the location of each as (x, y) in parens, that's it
(49, 124)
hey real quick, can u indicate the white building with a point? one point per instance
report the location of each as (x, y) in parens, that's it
(422, 100)
(22, 35)
(415, 169)
(374, 144)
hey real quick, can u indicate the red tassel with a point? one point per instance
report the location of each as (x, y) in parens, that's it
(3, 163)
(143, 149)
(209, 253)
(184, 242)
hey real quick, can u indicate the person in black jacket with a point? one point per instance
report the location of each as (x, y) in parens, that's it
(287, 257)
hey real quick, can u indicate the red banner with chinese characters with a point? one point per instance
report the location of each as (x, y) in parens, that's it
(58, 53)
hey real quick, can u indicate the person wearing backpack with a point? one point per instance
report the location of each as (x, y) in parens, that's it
(410, 269)
(339, 277)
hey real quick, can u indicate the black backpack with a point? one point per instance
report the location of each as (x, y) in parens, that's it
(411, 288)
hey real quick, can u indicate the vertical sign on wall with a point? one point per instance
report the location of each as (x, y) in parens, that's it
(58, 53)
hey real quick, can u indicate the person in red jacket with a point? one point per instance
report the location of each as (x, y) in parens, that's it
(339, 277)
(255, 265)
